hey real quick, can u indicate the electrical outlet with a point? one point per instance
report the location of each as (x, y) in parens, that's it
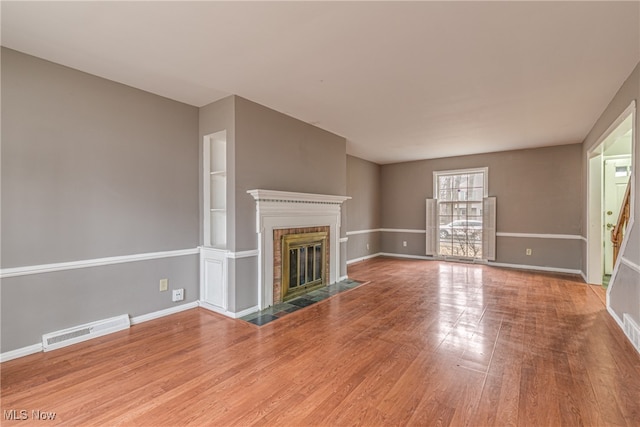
(164, 285)
(178, 295)
(404, 243)
(367, 246)
(528, 251)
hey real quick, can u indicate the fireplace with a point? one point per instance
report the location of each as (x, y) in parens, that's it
(301, 261)
(280, 213)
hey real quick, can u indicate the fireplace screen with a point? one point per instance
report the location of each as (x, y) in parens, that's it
(304, 263)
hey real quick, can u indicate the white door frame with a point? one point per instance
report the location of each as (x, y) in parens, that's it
(594, 222)
(594, 219)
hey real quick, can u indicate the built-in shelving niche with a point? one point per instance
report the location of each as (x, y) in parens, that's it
(215, 190)
(213, 255)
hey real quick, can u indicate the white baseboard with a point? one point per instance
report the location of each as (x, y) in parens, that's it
(231, 314)
(340, 279)
(162, 313)
(584, 276)
(424, 257)
(20, 352)
(245, 312)
(541, 236)
(535, 268)
(37, 348)
(617, 319)
(491, 263)
(211, 307)
(351, 261)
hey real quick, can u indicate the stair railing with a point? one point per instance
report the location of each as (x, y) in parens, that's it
(623, 218)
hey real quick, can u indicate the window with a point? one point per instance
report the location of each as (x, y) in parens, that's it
(623, 171)
(461, 215)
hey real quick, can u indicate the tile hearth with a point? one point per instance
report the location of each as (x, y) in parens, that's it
(281, 309)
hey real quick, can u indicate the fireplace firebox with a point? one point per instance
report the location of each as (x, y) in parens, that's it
(301, 260)
(303, 263)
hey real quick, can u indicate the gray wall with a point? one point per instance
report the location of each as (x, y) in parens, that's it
(36, 304)
(276, 152)
(363, 210)
(624, 287)
(91, 169)
(538, 191)
(243, 275)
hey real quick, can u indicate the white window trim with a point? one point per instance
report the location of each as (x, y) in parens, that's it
(484, 171)
(432, 237)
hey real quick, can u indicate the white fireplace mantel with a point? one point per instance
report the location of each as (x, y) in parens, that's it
(283, 209)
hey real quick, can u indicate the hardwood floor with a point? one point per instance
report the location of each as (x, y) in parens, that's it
(424, 343)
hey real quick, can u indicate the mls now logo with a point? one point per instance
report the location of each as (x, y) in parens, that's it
(23, 414)
(16, 414)
(41, 415)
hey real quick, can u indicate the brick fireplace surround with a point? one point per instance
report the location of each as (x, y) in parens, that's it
(277, 255)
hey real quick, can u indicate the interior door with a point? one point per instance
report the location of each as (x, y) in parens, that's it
(616, 179)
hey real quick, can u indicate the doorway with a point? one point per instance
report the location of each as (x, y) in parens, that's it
(617, 171)
(610, 166)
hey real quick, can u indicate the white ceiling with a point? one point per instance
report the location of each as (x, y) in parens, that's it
(400, 80)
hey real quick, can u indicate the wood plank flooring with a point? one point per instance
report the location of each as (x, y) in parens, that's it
(424, 343)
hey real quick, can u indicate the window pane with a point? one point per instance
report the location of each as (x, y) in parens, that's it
(444, 182)
(303, 264)
(475, 211)
(310, 258)
(318, 265)
(293, 268)
(475, 194)
(460, 214)
(445, 209)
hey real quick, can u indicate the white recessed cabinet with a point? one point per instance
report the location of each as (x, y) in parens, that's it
(213, 254)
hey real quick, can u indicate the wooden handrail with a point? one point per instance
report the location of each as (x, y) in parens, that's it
(623, 218)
